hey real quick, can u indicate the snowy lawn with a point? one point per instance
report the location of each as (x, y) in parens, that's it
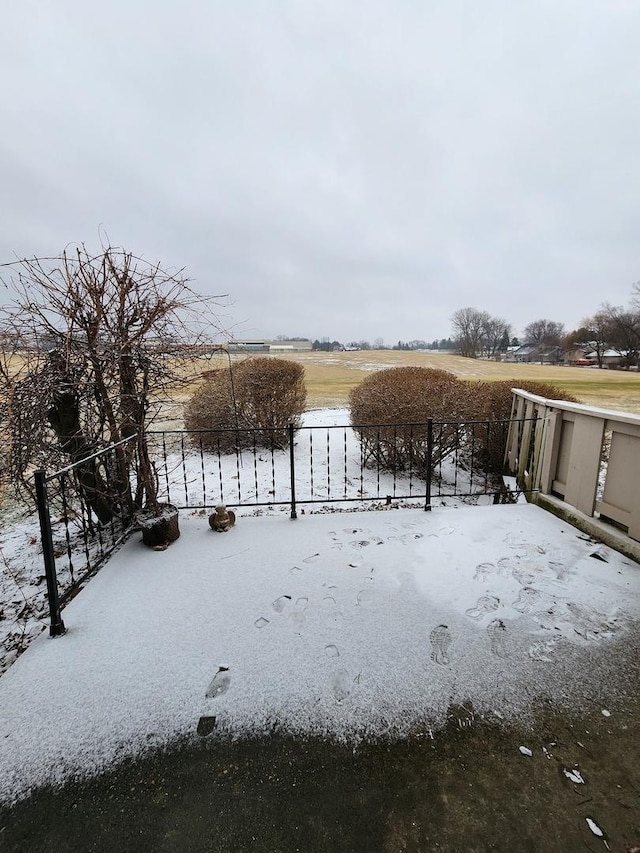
(344, 624)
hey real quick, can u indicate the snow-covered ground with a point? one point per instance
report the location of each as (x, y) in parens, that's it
(328, 466)
(351, 624)
(355, 624)
(22, 585)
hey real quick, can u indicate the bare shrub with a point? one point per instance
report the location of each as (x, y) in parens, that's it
(399, 401)
(260, 394)
(490, 403)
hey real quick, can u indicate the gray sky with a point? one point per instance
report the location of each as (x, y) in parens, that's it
(346, 168)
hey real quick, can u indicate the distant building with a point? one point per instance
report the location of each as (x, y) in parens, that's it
(267, 346)
(534, 353)
(248, 346)
(509, 354)
(610, 358)
(290, 346)
(580, 356)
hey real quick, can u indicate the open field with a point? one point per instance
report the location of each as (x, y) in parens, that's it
(330, 375)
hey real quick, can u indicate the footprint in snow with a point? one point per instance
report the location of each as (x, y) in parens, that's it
(589, 623)
(507, 565)
(485, 604)
(205, 726)
(483, 570)
(297, 615)
(514, 540)
(357, 544)
(219, 683)
(440, 638)
(340, 684)
(280, 603)
(363, 596)
(561, 571)
(496, 631)
(406, 538)
(527, 600)
(524, 576)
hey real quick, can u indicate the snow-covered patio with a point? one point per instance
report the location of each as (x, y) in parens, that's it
(346, 624)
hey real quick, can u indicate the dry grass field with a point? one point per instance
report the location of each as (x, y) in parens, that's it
(330, 375)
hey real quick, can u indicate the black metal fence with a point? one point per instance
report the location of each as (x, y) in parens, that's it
(419, 463)
(75, 542)
(411, 464)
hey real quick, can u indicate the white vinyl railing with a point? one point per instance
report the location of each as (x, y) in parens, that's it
(588, 458)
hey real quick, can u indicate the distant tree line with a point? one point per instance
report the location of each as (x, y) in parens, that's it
(325, 345)
(611, 329)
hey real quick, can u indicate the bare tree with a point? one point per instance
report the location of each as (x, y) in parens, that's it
(596, 331)
(478, 333)
(545, 333)
(624, 332)
(496, 334)
(468, 325)
(91, 346)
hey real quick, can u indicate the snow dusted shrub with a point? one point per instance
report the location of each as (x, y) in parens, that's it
(491, 404)
(260, 394)
(211, 407)
(399, 401)
(273, 394)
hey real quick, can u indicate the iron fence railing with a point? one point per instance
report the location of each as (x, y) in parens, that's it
(413, 464)
(330, 464)
(75, 543)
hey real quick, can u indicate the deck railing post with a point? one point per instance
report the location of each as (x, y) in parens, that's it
(429, 465)
(292, 468)
(57, 625)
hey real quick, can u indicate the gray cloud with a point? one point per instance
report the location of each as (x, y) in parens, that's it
(345, 169)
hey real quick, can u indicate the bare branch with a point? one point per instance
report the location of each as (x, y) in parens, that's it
(90, 346)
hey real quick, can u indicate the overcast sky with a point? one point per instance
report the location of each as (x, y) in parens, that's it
(346, 168)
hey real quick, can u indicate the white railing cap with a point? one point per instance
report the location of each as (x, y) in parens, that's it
(580, 408)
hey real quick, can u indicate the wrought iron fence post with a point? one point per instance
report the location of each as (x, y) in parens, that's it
(429, 466)
(57, 625)
(292, 468)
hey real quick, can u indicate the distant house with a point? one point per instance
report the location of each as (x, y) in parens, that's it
(525, 353)
(509, 355)
(610, 358)
(580, 356)
(536, 353)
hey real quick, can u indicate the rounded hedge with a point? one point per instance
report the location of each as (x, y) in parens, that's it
(399, 401)
(254, 401)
